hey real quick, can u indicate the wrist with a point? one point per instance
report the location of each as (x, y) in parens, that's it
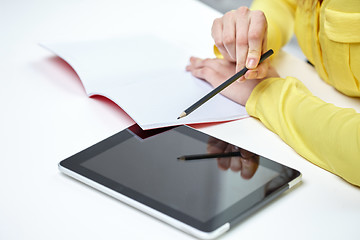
(247, 89)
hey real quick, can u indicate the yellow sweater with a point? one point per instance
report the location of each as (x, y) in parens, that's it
(329, 35)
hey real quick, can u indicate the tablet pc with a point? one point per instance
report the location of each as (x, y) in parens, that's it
(188, 179)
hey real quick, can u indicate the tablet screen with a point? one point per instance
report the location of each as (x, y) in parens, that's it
(201, 189)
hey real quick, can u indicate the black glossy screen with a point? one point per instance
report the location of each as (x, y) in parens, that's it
(206, 190)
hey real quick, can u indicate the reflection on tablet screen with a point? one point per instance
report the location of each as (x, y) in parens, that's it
(210, 176)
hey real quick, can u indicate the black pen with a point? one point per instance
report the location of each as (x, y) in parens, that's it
(209, 155)
(222, 86)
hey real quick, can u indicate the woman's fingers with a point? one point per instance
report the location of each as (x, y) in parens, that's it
(242, 28)
(235, 164)
(256, 37)
(214, 63)
(241, 36)
(208, 74)
(217, 35)
(223, 163)
(215, 71)
(228, 35)
(259, 72)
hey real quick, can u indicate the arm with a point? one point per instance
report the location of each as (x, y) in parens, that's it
(326, 135)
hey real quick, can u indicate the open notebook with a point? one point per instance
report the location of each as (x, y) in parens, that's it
(146, 77)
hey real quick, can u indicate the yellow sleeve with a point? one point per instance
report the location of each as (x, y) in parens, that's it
(280, 16)
(324, 134)
(339, 40)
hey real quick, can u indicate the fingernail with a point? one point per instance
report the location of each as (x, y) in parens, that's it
(251, 63)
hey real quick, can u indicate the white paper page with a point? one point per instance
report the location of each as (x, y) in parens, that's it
(146, 77)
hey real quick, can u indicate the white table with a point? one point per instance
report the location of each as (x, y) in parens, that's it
(46, 117)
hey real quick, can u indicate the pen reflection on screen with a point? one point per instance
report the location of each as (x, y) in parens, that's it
(228, 156)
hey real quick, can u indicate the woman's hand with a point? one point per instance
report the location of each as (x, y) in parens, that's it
(240, 35)
(246, 163)
(216, 71)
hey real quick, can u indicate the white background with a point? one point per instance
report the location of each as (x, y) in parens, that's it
(46, 117)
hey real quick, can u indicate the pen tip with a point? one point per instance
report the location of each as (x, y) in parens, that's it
(183, 114)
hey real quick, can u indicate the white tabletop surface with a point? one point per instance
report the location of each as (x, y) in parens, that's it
(46, 117)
